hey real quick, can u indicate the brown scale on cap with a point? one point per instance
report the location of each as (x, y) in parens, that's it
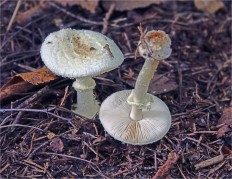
(107, 47)
(82, 48)
(158, 38)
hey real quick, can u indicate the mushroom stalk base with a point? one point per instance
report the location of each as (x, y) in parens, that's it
(86, 106)
(141, 87)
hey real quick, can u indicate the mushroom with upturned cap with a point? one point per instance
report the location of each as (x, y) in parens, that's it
(81, 54)
(143, 118)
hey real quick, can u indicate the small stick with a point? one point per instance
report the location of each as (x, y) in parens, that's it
(30, 102)
(216, 168)
(197, 141)
(127, 41)
(180, 80)
(106, 18)
(97, 155)
(14, 15)
(209, 162)
(68, 156)
(155, 161)
(181, 172)
(20, 125)
(36, 110)
(33, 163)
(4, 168)
(75, 16)
(65, 96)
(202, 132)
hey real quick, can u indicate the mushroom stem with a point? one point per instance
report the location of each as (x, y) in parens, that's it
(141, 87)
(87, 105)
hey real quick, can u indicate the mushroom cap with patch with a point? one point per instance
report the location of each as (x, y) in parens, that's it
(155, 45)
(80, 53)
(114, 115)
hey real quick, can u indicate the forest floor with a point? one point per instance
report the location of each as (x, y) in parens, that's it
(40, 137)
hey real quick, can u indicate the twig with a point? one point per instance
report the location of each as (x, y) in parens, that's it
(14, 15)
(106, 18)
(197, 141)
(75, 16)
(21, 125)
(33, 152)
(30, 102)
(4, 168)
(65, 96)
(180, 81)
(16, 33)
(209, 162)
(181, 172)
(68, 156)
(97, 154)
(203, 132)
(36, 110)
(33, 163)
(216, 168)
(3, 2)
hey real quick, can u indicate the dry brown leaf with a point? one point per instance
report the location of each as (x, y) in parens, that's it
(165, 168)
(25, 82)
(39, 76)
(56, 145)
(24, 17)
(14, 86)
(129, 4)
(89, 5)
(207, 6)
(225, 119)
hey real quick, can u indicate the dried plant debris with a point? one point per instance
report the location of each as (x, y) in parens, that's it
(39, 76)
(164, 169)
(207, 6)
(25, 81)
(129, 4)
(89, 5)
(24, 17)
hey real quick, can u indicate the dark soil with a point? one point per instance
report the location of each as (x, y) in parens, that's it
(200, 65)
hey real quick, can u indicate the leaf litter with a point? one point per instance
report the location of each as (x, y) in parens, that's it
(200, 90)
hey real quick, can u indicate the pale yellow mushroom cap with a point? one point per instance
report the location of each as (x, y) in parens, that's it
(80, 53)
(155, 45)
(115, 117)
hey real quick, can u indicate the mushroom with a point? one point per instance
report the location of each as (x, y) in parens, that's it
(79, 55)
(142, 118)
